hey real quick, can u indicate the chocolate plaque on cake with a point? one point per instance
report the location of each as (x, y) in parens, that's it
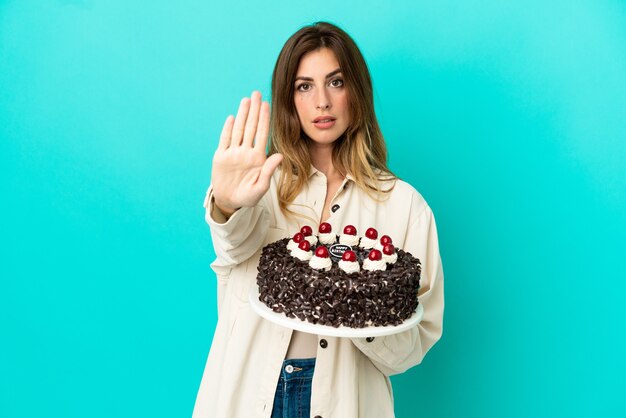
(336, 251)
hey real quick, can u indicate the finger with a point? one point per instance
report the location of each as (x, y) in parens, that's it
(240, 122)
(263, 127)
(227, 131)
(268, 169)
(253, 118)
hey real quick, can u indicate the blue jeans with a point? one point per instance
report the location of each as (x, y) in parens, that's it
(293, 393)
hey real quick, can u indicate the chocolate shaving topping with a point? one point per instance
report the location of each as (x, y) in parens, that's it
(369, 298)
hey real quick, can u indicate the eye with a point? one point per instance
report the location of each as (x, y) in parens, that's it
(304, 87)
(337, 82)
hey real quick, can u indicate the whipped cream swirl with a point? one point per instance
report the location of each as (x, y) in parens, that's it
(349, 266)
(292, 245)
(328, 239)
(312, 239)
(301, 254)
(367, 243)
(350, 240)
(320, 263)
(390, 259)
(377, 265)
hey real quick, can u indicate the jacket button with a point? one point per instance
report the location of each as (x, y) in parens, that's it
(323, 343)
(335, 208)
(369, 339)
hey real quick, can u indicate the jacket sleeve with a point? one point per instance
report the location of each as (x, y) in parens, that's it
(394, 354)
(237, 238)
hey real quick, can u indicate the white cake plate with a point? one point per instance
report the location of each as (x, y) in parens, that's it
(341, 331)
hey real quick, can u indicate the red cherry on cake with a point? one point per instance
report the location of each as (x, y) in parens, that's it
(349, 256)
(325, 228)
(385, 239)
(349, 230)
(298, 237)
(388, 249)
(322, 252)
(375, 255)
(306, 231)
(371, 233)
(304, 245)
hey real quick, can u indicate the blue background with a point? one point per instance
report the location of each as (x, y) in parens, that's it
(509, 117)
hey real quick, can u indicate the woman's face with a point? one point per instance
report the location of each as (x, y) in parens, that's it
(320, 97)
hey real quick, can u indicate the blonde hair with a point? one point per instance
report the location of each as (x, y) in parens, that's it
(360, 151)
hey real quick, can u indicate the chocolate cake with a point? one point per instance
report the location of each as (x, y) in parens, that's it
(345, 280)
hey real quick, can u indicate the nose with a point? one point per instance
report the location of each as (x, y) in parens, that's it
(323, 101)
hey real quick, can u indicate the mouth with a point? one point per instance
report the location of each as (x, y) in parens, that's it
(324, 119)
(324, 122)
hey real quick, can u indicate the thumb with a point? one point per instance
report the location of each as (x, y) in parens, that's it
(268, 169)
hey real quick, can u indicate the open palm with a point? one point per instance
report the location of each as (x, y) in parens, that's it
(241, 170)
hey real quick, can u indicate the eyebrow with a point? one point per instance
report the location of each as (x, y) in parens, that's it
(329, 75)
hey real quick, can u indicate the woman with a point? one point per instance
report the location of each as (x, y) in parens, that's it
(327, 163)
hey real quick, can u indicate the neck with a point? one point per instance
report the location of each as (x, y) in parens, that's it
(322, 160)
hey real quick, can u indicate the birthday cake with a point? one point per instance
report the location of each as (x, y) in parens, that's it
(342, 280)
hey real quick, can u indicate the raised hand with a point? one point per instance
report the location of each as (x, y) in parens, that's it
(241, 171)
